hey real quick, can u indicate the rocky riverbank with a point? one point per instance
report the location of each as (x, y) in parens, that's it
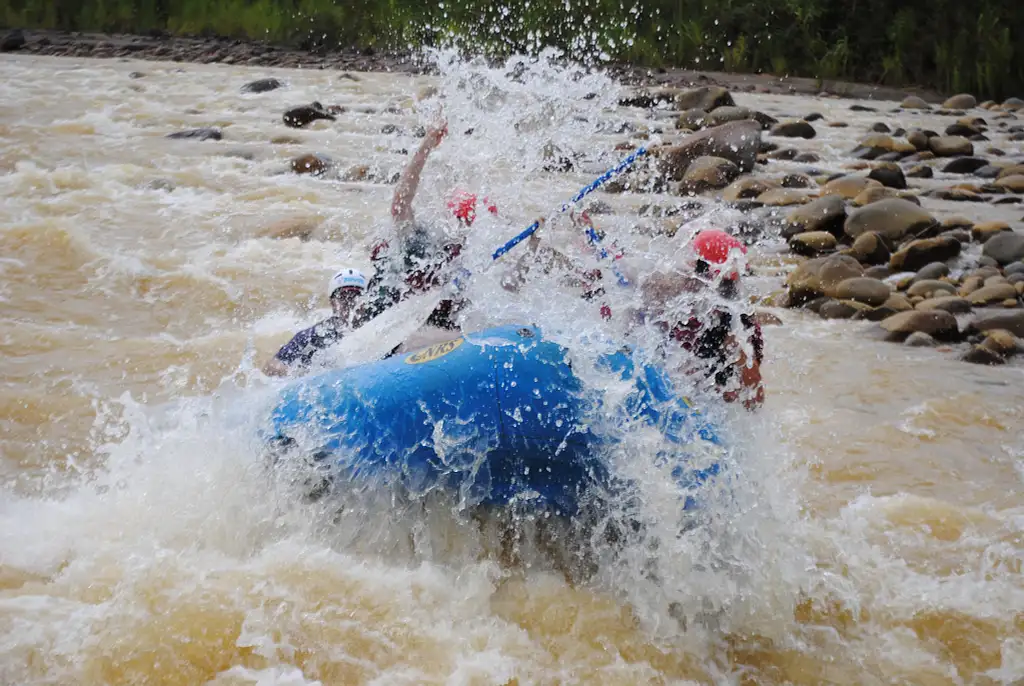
(163, 46)
(877, 247)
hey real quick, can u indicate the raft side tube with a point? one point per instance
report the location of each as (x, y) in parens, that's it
(498, 414)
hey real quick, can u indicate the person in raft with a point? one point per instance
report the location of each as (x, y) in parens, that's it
(411, 260)
(545, 258)
(710, 337)
(344, 290)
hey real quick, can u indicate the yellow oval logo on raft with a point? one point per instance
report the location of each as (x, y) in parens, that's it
(433, 352)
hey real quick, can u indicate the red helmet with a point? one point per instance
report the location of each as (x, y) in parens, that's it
(714, 246)
(463, 205)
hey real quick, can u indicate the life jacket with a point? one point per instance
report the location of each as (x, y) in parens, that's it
(705, 337)
(421, 269)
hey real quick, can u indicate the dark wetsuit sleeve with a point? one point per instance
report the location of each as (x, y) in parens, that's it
(295, 349)
(756, 336)
(414, 269)
(707, 340)
(299, 351)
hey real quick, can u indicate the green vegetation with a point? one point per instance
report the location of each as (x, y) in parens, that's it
(945, 44)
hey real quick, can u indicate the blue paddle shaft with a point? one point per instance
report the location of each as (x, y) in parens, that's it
(586, 190)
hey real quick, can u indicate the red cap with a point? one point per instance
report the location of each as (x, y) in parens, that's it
(463, 205)
(714, 246)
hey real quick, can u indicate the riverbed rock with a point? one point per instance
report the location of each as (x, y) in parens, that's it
(920, 171)
(964, 165)
(992, 295)
(1012, 321)
(893, 218)
(955, 195)
(898, 302)
(207, 134)
(890, 176)
(765, 318)
(822, 214)
(872, 248)
(302, 228)
(1012, 170)
(814, 304)
(312, 164)
(923, 156)
(794, 129)
(784, 197)
(707, 98)
(819, 276)
(812, 243)
(262, 86)
(779, 154)
(873, 194)
(874, 314)
(953, 304)
(961, 235)
(736, 141)
(930, 288)
(747, 188)
(985, 230)
(12, 41)
(797, 181)
(1002, 342)
(298, 117)
(863, 290)
(1005, 247)
(877, 144)
(938, 324)
(913, 102)
(916, 254)
(706, 173)
(848, 187)
(962, 101)
(919, 339)
(979, 355)
(692, 120)
(965, 130)
(651, 98)
(700, 119)
(841, 309)
(934, 270)
(1013, 183)
(919, 139)
(950, 146)
(989, 171)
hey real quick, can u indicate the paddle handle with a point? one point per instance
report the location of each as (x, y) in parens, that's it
(586, 190)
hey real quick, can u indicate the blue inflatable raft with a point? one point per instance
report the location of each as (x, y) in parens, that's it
(498, 416)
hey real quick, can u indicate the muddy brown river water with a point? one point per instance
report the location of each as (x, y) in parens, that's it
(142, 278)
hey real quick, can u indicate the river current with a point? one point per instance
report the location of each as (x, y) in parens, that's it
(880, 538)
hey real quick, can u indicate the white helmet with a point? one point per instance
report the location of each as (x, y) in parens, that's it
(346, 278)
